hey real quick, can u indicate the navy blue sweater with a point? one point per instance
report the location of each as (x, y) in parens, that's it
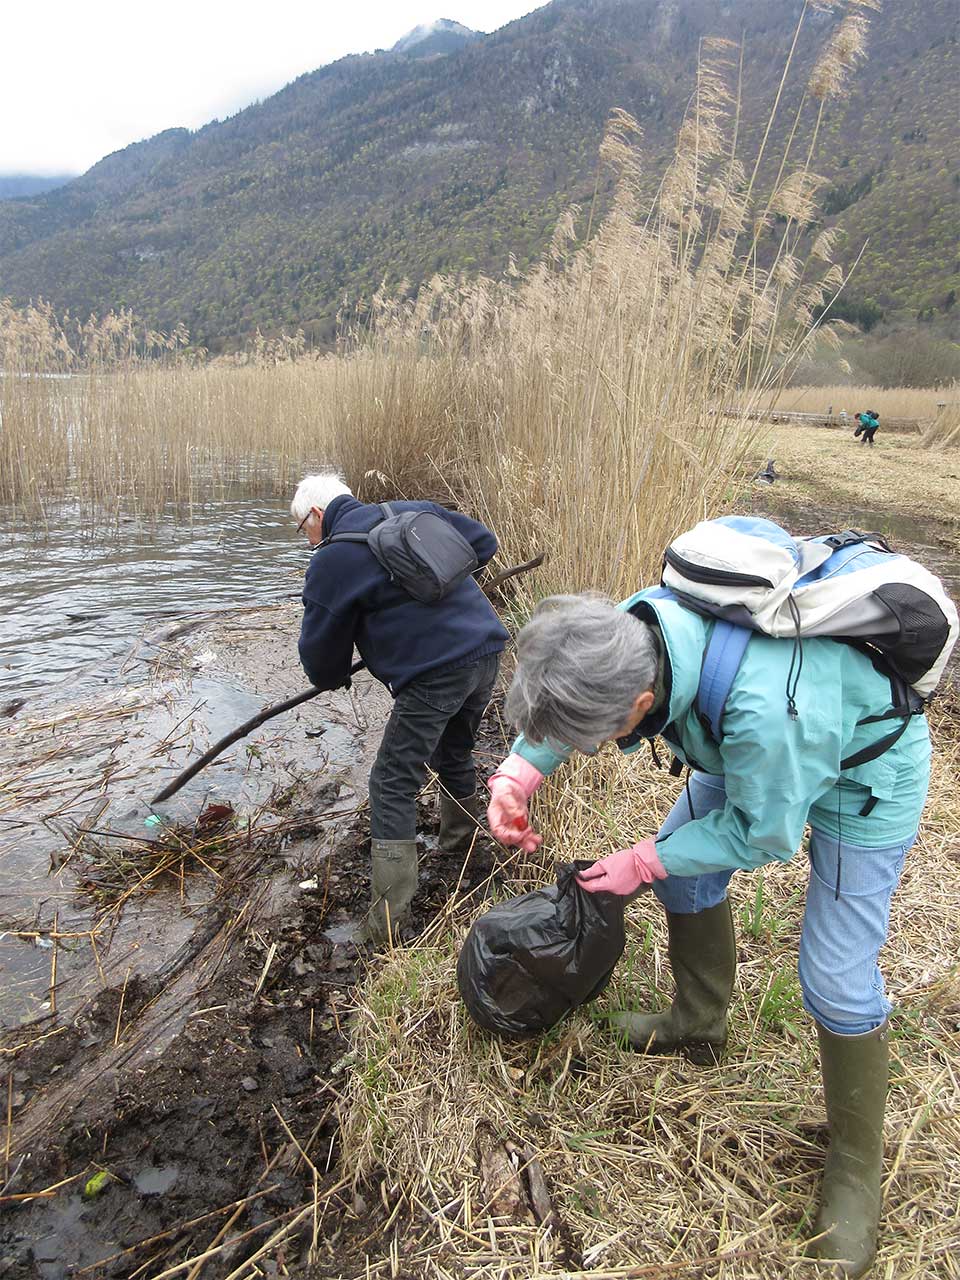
(348, 599)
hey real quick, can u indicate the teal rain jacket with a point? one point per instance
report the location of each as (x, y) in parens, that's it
(780, 773)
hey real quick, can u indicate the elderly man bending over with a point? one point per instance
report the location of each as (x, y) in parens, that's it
(588, 672)
(438, 660)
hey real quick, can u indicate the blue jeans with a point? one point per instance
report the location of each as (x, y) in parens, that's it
(841, 937)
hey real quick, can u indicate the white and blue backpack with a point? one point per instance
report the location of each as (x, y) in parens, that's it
(752, 575)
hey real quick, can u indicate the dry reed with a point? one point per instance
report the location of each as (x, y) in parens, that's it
(921, 404)
(944, 431)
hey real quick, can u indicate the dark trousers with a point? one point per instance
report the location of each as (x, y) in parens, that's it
(868, 434)
(434, 721)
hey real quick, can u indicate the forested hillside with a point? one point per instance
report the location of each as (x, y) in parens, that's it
(396, 165)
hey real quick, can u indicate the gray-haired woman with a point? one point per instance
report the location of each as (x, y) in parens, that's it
(588, 672)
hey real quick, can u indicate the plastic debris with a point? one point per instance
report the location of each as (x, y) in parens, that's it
(97, 1184)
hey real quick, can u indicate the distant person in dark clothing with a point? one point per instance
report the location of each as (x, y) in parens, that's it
(439, 661)
(869, 422)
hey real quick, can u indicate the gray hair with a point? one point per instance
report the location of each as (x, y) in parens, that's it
(581, 662)
(316, 491)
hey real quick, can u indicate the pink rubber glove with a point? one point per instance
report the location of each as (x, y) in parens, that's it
(624, 872)
(510, 788)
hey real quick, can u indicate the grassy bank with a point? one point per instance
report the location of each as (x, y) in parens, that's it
(655, 1167)
(823, 466)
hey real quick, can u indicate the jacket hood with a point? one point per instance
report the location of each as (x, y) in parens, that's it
(684, 636)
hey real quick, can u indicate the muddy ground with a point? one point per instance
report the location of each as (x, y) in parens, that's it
(241, 1104)
(183, 1105)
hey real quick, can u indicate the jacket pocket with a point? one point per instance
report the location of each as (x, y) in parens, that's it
(878, 776)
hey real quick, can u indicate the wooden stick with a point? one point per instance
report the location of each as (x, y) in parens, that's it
(6, 1148)
(53, 964)
(123, 994)
(278, 709)
(499, 578)
(236, 734)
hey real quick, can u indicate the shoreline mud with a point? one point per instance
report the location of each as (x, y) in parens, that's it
(181, 1094)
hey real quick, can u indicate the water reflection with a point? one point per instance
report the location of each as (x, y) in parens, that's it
(75, 600)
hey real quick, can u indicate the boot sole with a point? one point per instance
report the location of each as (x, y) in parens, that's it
(700, 1053)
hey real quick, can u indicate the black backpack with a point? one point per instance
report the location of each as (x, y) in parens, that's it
(423, 553)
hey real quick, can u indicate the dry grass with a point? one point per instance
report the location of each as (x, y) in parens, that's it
(652, 1163)
(917, 403)
(944, 431)
(898, 476)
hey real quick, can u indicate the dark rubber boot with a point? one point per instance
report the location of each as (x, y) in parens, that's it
(458, 823)
(393, 884)
(703, 957)
(855, 1072)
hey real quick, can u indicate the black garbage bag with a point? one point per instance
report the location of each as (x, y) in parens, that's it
(527, 962)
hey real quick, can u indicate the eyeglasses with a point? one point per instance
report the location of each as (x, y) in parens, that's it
(304, 521)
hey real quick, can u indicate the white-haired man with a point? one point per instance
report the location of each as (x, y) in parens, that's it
(439, 661)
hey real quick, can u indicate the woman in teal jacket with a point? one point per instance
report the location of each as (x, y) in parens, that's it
(589, 671)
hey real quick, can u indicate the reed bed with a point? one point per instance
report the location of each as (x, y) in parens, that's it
(655, 1167)
(944, 431)
(921, 404)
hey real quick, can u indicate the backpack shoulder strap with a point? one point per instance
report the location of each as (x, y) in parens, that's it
(906, 704)
(721, 662)
(386, 511)
(344, 537)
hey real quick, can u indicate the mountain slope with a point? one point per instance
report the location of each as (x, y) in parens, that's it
(395, 166)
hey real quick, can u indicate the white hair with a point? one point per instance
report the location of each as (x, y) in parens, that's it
(316, 491)
(580, 664)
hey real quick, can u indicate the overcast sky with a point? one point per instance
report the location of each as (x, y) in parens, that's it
(78, 81)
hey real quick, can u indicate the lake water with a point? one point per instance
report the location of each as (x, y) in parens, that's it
(99, 700)
(74, 601)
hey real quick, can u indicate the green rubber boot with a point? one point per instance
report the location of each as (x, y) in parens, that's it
(393, 884)
(855, 1070)
(458, 823)
(703, 957)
